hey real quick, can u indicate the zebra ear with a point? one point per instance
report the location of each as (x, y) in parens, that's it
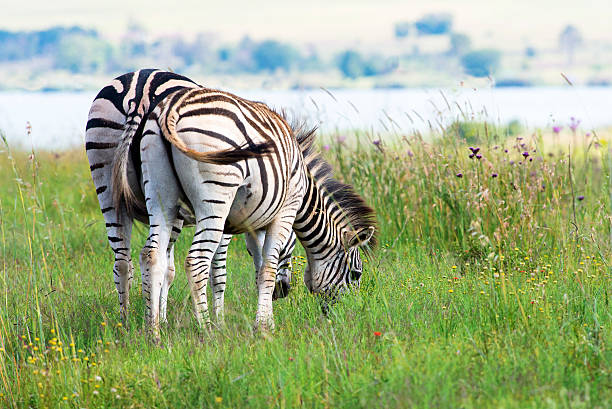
(351, 238)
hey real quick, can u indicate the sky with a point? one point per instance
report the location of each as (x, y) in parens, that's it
(320, 22)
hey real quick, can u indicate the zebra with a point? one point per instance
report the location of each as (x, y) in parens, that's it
(117, 113)
(287, 187)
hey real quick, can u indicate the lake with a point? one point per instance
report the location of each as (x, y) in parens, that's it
(58, 119)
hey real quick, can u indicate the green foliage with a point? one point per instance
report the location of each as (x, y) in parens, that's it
(477, 132)
(434, 24)
(481, 63)
(484, 292)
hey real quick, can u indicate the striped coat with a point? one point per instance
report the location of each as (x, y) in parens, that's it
(117, 114)
(275, 181)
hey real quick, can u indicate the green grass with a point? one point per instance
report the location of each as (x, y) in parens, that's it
(484, 292)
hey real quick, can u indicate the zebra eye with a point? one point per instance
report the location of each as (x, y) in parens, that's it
(355, 275)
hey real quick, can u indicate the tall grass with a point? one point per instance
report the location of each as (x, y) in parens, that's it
(485, 292)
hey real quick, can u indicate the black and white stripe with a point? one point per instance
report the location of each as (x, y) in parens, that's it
(274, 181)
(117, 114)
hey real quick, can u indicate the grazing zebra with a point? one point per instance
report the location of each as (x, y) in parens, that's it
(116, 114)
(288, 187)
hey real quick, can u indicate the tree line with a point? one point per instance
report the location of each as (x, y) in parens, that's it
(82, 50)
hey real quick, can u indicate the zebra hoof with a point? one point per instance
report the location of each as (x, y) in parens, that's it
(264, 325)
(281, 290)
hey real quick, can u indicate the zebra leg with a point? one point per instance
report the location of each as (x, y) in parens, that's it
(209, 232)
(170, 272)
(218, 277)
(283, 274)
(211, 190)
(254, 243)
(277, 236)
(161, 198)
(154, 266)
(104, 129)
(119, 235)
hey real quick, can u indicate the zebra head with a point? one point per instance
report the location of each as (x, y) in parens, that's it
(343, 267)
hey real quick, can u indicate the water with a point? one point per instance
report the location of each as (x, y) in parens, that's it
(58, 119)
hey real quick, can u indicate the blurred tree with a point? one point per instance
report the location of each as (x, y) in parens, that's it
(379, 65)
(134, 42)
(82, 54)
(459, 44)
(239, 58)
(434, 24)
(351, 64)
(481, 63)
(28, 44)
(570, 39)
(15, 46)
(271, 55)
(402, 29)
(311, 61)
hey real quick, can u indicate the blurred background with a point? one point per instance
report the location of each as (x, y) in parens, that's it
(387, 66)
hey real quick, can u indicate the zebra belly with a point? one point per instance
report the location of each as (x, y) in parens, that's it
(246, 214)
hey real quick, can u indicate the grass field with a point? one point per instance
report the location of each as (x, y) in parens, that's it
(491, 288)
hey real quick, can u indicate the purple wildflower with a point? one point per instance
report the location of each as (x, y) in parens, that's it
(525, 154)
(574, 124)
(459, 175)
(410, 153)
(475, 150)
(581, 198)
(557, 129)
(326, 147)
(588, 134)
(341, 138)
(494, 175)
(471, 156)
(479, 156)
(376, 142)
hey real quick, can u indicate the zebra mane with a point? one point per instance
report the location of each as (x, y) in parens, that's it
(359, 214)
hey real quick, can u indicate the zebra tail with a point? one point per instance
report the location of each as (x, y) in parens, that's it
(120, 186)
(223, 157)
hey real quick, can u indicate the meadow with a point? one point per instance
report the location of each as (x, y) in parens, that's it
(490, 288)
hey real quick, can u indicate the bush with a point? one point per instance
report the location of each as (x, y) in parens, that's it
(351, 64)
(481, 63)
(82, 54)
(476, 132)
(271, 55)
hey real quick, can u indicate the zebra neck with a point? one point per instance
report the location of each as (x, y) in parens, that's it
(315, 224)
